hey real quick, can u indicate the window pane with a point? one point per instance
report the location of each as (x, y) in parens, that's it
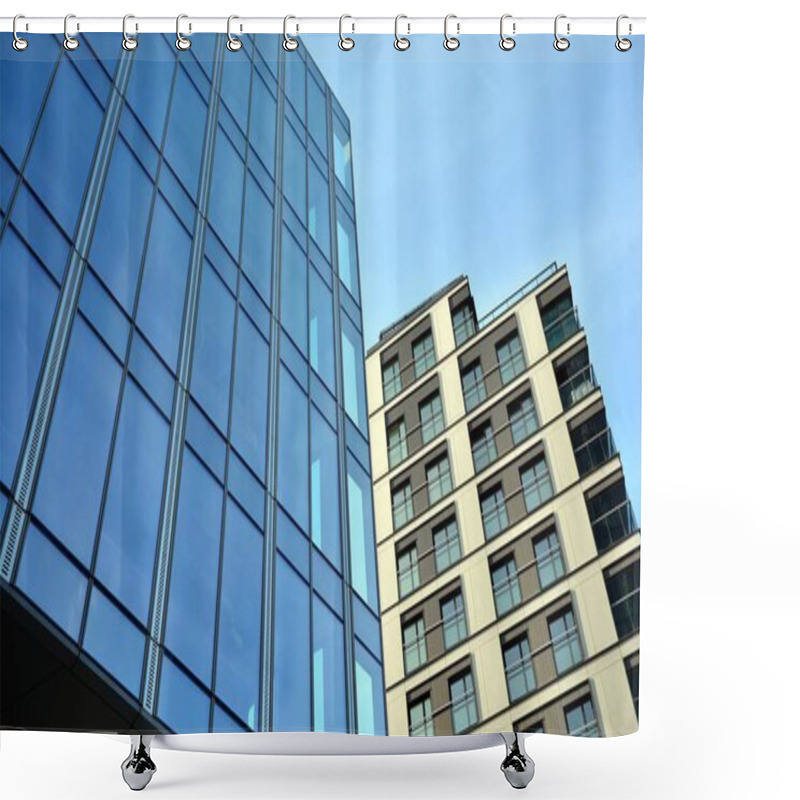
(51, 581)
(325, 488)
(420, 718)
(238, 645)
(505, 586)
(330, 709)
(133, 503)
(181, 703)
(296, 84)
(415, 651)
(355, 393)
(549, 564)
(116, 643)
(163, 291)
(319, 210)
(362, 534)
(473, 386)
(510, 358)
(424, 356)
(250, 387)
(318, 116)
(294, 171)
(294, 278)
(369, 693)
(291, 686)
(187, 123)
(257, 239)
(408, 570)
(27, 301)
(463, 707)
(150, 85)
(342, 155)
(346, 251)
(431, 417)
(191, 610)
(293, 449)
(536, 484)
(236, 85)
(225, 201)
(59, 163)
(73, 468)
(454, 621)
(392, 384)
(566, 644)
(263, 117)
(446, 544)
(397, 445)
(320, 331)
(118, 240)
(493, 512)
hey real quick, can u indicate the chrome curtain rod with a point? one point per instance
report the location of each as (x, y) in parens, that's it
(299, 25)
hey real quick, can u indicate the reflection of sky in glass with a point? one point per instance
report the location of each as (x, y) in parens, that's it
(494, 164)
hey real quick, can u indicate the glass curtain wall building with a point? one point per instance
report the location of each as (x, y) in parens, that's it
(187, 524)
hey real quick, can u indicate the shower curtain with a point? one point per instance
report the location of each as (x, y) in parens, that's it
(319, 368)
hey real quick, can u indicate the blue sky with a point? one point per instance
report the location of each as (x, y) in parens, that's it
(493, 164)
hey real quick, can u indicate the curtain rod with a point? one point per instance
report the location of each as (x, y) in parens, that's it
(300, 25)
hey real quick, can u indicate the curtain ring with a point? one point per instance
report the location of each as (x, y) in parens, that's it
(345, 42)
(623, 45)
(19, 44)
(181, 42)
(507, 42)
(561, 43)
(128, 42)
(400, 42)
(233, 44)
(70, 42)
(451, 42)
(289, 43)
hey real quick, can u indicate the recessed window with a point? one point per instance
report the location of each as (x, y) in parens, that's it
(565, 641)
(424, 356)
(575, 378)
(549, 563)
(520, 677)
(510, 359)
(408, 570)
(581, 719)
(493, 511)
(463, 704)
(484, 449)
(473, 386)
(536, 484)
(611, 515)
(623, 595)
(454, 620)
(439, 479)
(392, 384)
(505, 586)
(463, 322)
(446, 544)
(431, 417)
(397, 444)
(415, 652)
(402, 505)
(420, 717)
(560, 320)
(522, 418)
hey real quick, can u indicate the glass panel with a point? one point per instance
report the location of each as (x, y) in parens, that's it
(493, 512)
(438, 479)
(420, 718)
(51, 581)
(319, 210)
(318, 116)
(566, 644)
(133, 503)
(325, 488)
(294, 288)
(431, 417)
(296, 84)
(257, 240)
(454, 621)
(70, 485)
(293, 448)
(342, 155)
(362, 533)
(187, 123)
(225, 723)
(150, 86)
(236, 85)
(113, 640)
(238, 644)
(250, 388)
(291, 679)
(520, 676)
(321, 347)
(27, 301)
(510, 358)
(424, 356)
(447, 545)
(415, 651)
(549, 564)
(181, 703)
(522, 416)
(581, 719)
(163, 291)
(392, 384)
(191, 610)
(396, 439)
(346, 251)
(370, 706)
(473, 386)
(263, 117)
(59, 163)
(118, 239)
(355, 393)
(225, 201)
(402, 505)
(330, 708)
(464, 710)
(294, 171)
(463, 323)
(623, 594)
(536, 484)
(505, 586)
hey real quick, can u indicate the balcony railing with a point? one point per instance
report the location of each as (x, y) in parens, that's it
(614, 525)
(577, 387)
(562, 328)
(525, 289)
(595, 451)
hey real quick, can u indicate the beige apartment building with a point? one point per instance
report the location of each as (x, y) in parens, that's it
(508, 551)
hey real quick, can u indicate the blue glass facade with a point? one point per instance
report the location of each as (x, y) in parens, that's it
(184, 475)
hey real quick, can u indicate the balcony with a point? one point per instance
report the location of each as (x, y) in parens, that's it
(614, 525)
(562, 328)
(594, 452)
(577, 386)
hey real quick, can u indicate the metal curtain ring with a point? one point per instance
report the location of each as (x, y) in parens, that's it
(507, 42)
(451, 42)
(19, 44)
(400, 42)
(128, 42)
(345, 42)
(561, 43)
(70, 42)
(289, 43)
(233, 44)
(181, 42)
(623, 45)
